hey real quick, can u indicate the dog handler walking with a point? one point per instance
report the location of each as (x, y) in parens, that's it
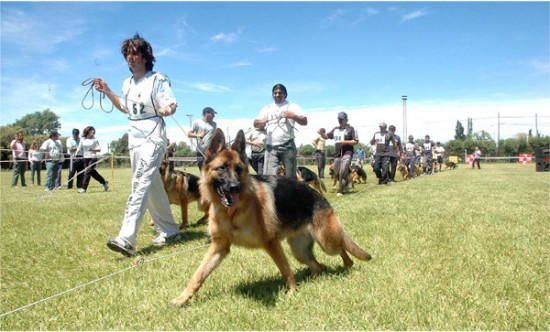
(147, 98)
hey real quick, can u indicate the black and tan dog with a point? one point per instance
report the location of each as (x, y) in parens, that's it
(257, 211)
(357, 174)
(450, 164)
(307, 176)
(182, 189)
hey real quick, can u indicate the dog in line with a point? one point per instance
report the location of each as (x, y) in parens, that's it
(257, 211)
(357, 174)
(307, 176)
(182, 189)
(402, 168)
(450, 164)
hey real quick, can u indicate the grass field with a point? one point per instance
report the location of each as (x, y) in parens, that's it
(459, 250)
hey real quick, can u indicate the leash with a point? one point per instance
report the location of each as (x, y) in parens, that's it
(90, 82)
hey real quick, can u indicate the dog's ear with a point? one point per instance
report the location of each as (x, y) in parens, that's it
(217, 144)
(239, 145)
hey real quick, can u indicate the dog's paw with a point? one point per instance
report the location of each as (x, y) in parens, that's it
(181, 301)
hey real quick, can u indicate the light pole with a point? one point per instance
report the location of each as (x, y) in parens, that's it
(404, 98)
(190, 120)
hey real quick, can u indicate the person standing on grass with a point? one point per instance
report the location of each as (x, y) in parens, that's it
(477, 158)
(319, 144)
(89, 147)
(427, 146)
(360, 153)
(147, 98)
(35, 159)
(203, 130)
(53, 150)
(439, 152)
(394, 153)
(76, 165)
(411, 151)
(279, 118)
(346, 138)
(256, 140)
(383, 139)
(59, 167)
(17, 147)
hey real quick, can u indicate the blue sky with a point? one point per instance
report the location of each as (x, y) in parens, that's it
(454, 60)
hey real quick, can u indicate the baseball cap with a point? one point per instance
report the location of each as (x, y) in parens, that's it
(208, 110)
(383, 124)
(342, 116)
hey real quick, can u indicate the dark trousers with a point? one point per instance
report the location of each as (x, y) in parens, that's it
(19, 168)
(91, 172)
(257, 162)
(381, 168)
(476, 161)
(393, 167)
(428, 164)
(321, 158)
(77, 165)
(410, 162)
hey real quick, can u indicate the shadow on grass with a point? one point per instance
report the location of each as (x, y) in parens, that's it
(265, 291)
(186, 236)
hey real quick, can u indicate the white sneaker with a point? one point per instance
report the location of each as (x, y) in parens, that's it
(339, 194)
(81, 191)
(161, 240)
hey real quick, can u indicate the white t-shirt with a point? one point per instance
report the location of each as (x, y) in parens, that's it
(141, 99)
(85, 145)
(72, 143)
(202, 127)
(279, 129)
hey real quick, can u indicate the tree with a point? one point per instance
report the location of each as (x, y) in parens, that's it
(39, 122)
(459, 131)
(120, 146)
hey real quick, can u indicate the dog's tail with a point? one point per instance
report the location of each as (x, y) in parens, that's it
(354, 249)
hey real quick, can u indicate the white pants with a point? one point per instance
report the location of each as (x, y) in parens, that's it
(147, 193)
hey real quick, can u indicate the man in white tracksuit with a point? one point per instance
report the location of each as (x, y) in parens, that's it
(147, 98)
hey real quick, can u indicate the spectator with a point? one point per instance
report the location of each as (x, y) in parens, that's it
(59, 167)
(35, 159)
(257, 139)
(203, 130)
(360, 153)
(76, 165)
(279, 119)
(17, 146)
(89, 147)
(439, 152)
(345, 137)
(319, 144)
(477, 158)
(53, 151)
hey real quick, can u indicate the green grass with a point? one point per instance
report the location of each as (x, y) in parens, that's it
(459, 250)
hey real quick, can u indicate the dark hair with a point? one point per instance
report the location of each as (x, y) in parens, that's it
(53, 133)
(87, 130)
(142, 46)
(281, 87)
(76, 131)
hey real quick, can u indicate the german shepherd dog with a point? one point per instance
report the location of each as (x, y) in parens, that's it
(256, 211)
(357, 174)
(307, 176)
(182, 189)
(450, 164)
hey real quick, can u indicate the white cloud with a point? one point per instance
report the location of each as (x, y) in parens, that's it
(414, 15)
(209, 87)
(227, 38)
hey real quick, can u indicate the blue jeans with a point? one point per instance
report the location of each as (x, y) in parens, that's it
(36, 167)
(51, 175)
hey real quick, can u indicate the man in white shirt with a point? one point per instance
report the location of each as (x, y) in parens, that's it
(279, 119)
